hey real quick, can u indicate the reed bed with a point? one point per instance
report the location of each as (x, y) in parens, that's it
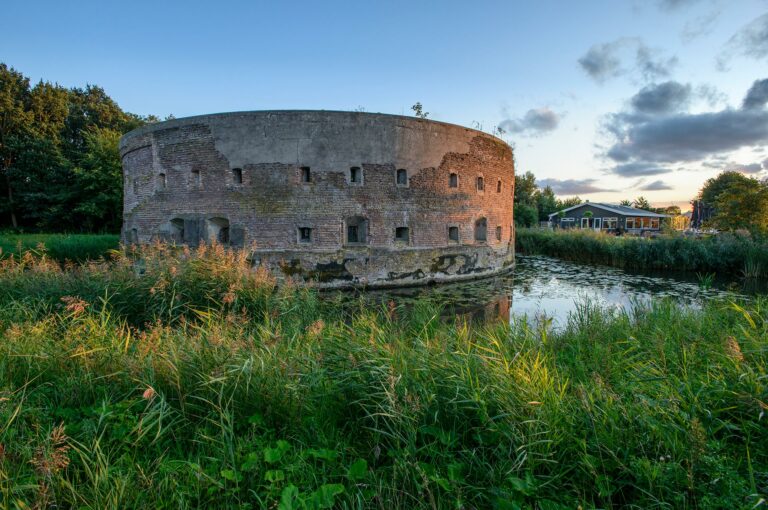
(170, 379)
(724, 254)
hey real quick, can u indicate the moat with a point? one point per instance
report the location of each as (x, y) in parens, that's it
(548, 288)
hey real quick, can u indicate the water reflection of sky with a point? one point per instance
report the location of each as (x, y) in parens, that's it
(543, 286)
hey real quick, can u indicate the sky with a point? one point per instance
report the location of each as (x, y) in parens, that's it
(607, 100)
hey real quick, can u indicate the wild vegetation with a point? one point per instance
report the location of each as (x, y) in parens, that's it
(171, 379)
(724, 254)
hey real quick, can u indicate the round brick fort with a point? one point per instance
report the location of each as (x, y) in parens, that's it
(339, 198)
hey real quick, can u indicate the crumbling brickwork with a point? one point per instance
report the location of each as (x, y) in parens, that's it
(341, 198)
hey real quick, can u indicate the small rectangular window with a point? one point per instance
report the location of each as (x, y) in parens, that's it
(305, 175)
(498, 233)
(402, 177)
(353, 234)
(480, 184)
(453, 181)
(162, 181)
(401, 234)
(498, 186)
(305, 235)
(355, 175)
(453, 234)
(237, 175)
(135, 186)
(196, 180)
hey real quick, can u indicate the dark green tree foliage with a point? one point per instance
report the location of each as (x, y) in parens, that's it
(59, 160)
(642, 203)
(534, 204)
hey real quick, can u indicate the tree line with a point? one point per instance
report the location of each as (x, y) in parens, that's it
(59, 161)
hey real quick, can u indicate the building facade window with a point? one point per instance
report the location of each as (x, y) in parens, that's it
(135, 186)
(237, 175)
(162, 182)
(402, 234)
(453, 180)
(401, 177)
(356, 230)
(217, 230)
(611, 223)
(355, 175)
(305, 235)
(177, 230)
(306, 176)
(481, 230)
(480, 183)
(197, 180)
(498, 186)
(453, 234)
(498, 233)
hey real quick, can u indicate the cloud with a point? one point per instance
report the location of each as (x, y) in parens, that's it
(682, 137)
(639, 169)
(537, 121)
(656, 186)
(750, 41)
(752, 168)
(700, 26)
(671, 5)
(757, 95)
(666, 97)
(604, 61)
(573, 186)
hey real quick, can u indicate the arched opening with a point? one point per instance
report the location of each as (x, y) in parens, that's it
(217, 230)
(498, 186)
(357, 230)
(481, 230)
(480, 183)
(498, 233)
(402, 177)
(162, 182)
(177, 230)
(237, 175)
(134, 236)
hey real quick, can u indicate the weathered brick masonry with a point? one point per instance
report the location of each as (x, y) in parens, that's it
(343, 198)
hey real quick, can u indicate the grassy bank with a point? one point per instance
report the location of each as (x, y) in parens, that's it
(724, 254)
(60, 247)
(200, 384)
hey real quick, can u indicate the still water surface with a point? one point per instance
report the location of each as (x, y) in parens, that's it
(547, 287)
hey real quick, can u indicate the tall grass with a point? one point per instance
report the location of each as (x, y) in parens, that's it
(60, 247)
(724, 254)
(220, 389)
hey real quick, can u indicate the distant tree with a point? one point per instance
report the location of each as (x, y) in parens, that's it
(546, 203)
(418, 111)
(642, 203)
(713, 187)
(525, 189)
(568, 202)
(55, 168)
(742, 205)
(627, 203)
(526, 215)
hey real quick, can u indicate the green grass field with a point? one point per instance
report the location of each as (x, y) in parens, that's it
(60, 247)
(198, 383)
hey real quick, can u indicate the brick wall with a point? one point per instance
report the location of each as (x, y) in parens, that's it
(266, 210)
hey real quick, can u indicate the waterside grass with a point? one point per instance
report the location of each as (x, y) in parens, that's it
(60, 247)
(724, 254)
(191, 381)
